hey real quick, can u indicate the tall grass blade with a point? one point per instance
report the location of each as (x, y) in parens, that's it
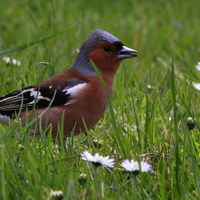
(117, 134)
(176, 135)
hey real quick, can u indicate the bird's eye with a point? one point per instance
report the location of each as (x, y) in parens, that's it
(106, 48)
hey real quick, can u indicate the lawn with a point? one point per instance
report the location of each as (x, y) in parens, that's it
(147, 119)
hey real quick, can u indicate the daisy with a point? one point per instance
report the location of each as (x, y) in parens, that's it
(196, 85)
(97, 160)
(133, 166)
(6, 59)
(14, 61)
(56, 194)
(198, 66)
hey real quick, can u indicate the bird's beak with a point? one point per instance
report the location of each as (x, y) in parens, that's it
(127, 52)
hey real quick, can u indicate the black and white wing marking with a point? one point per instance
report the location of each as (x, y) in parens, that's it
(40, 96)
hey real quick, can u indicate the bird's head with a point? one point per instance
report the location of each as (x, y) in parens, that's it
(104, 50)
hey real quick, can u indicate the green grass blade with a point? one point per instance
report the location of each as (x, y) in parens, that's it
(117, 133)
(176, 134)
(2, 166)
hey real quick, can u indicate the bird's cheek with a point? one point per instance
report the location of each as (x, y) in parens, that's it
(94, 56)
(104, 62)
(98, 58)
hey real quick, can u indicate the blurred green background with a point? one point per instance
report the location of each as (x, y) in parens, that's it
(157, 29)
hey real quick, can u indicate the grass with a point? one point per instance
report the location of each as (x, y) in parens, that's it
(148, 123)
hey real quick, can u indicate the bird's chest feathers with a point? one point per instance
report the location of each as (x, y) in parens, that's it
(91, 100)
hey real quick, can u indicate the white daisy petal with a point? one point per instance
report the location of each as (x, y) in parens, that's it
(198, 66)
(132, 166)
(97, 159)
(87, 156)
(145, 167)
(127, 165)
(14, 61)
(196, 85)
(7, 59)
(56, 194)
(18, 63)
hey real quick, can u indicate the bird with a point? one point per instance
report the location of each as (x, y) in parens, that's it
(74, 98)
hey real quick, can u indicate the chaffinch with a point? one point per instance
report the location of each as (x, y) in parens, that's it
(76, 93)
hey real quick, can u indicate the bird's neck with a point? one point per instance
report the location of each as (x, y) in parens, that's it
(84, 66)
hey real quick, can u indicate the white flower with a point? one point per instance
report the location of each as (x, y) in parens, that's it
(18, 63)
(56, 194)
(7, 59)
(14, 61)
(149, 87)
(145, 167)
(132, 166)
(196, 85)
(97, 160)
(198, 66)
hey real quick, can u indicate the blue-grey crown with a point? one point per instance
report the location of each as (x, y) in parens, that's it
(94, 38)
